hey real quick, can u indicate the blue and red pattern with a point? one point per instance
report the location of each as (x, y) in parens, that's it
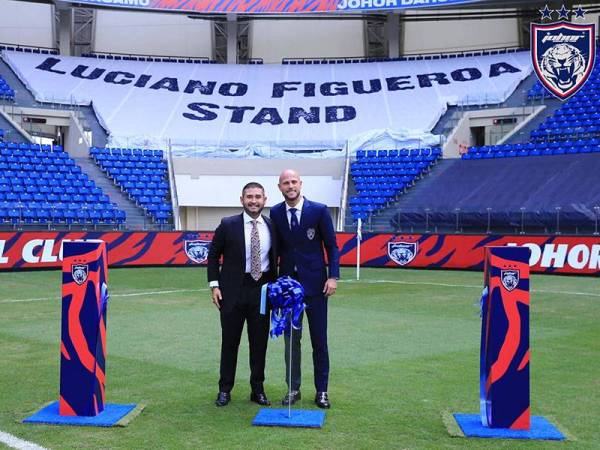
(504, 371)
(83, 335)
(549, 254)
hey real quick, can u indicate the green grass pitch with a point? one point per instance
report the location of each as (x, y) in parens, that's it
(404, 348)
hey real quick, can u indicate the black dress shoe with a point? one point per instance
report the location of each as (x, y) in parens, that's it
(223, 398)
(260, 398)
(322, 400)
(291, 397)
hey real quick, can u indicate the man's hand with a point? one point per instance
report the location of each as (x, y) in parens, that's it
(330, 287)
(216, 297)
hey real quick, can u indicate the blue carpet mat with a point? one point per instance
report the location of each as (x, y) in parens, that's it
(304, 418)
(110, 417)
(471, 426)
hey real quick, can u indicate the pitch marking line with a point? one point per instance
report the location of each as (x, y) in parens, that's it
(417, 283)
(15, 442)
(132, 294)
(422, 283)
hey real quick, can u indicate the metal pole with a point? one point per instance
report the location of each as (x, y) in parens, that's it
(358, 239)
(557, 219)
(522, 220)
(457, 212)
(596, 210)
(290, 374)
(489, 220)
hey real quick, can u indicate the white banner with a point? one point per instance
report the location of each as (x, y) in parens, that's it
(143, 104)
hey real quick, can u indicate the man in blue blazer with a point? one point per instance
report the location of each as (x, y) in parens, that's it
(305, 233)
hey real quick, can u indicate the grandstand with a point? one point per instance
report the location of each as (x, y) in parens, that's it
(421, 125)
(144, 122)
(386, 177)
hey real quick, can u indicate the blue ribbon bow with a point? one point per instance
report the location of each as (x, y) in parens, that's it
(286, 297)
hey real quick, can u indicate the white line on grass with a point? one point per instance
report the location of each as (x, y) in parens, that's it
(417, 283)
(421, 283)
(15, 442)
(132, 294)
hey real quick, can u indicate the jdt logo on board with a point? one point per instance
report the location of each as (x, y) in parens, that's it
(402, 252)
(197, 250)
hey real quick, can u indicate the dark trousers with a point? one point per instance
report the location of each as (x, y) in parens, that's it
(246, 309)
(316, 312)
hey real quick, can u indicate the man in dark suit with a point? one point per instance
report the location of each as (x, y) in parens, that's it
(247, 244)
(304, 228)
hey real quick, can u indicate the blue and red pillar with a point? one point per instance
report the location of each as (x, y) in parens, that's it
(83, 334)
(504, 371)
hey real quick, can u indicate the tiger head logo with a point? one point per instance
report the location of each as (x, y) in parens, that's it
(563, 56)
(563, 65)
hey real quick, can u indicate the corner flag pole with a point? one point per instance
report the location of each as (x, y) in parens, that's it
(358, 239)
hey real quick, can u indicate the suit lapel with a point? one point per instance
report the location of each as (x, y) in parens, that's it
(240, 232)
(305, 212)
(285, 228)
(272, 249)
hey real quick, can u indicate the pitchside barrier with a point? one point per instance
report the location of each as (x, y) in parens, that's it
(549, 254)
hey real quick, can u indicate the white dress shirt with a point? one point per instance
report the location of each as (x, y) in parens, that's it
(265, 244)
(298, 211)
(265, 241)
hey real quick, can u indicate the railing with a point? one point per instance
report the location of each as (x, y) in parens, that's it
(408, 57)
(150, 58)
(28, 48)
(489, 221)
(173, 188)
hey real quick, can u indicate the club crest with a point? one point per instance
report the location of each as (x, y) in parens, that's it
(197, 250)
(310, 233)
(563, 55)
(402, 252)
(79, 272)
(510, 279)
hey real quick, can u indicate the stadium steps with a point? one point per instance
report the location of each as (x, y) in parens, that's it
(523, 136)
(349, 222)
(11, 134)
(136, 218)
(518, 98)
(381, 222)
(24, 98)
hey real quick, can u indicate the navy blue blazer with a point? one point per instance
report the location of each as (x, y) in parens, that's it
(305, 249)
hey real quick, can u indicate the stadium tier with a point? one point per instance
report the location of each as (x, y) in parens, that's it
(381, 176)
(533, 149)
(6, 92)
(227, 106)
(142, 175)
(541, 194)
(43, 185)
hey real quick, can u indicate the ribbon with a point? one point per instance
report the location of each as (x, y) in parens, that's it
(483, 401)
(483, 301)
(263, 299)
(286, 297)
(104, 296)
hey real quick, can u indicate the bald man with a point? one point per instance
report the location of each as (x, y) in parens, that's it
(305, 232)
